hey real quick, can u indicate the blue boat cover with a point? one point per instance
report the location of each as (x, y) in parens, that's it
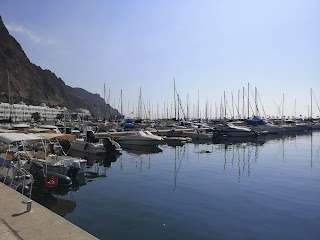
(256, 121)
(128, 125)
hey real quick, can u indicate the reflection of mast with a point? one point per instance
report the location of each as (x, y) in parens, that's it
(311, 157)
(176, 168)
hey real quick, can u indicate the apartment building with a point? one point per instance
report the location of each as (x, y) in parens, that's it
(23, 112)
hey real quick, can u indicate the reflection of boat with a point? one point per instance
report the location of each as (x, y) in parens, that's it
(144, 138)
(57, 205)
(199, 134)
(202, 141)
(176, 141)
(140, 149)
(253, 140)
(106, 158)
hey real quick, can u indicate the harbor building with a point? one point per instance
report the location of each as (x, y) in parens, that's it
(22, 112)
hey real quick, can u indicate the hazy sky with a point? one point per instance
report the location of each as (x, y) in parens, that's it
(207, 46)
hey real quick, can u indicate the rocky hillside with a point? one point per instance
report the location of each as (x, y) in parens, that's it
(33, 85)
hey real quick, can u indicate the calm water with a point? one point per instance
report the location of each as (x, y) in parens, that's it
(267, 189)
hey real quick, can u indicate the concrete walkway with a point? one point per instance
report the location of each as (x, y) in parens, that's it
(39, 223)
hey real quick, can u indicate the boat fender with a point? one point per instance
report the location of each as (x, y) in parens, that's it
(85, 146)
(51, 182)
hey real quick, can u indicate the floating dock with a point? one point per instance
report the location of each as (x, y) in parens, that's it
(16, 222)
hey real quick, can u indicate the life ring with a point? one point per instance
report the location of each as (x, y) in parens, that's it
(51, 182)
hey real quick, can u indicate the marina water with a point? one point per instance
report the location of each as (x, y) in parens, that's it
(267, 188)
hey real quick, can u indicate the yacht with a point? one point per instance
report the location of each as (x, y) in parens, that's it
(92, 145)
(231, 130)
(145, 138)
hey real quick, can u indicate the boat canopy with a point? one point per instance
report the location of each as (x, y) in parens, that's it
(57, 136)
(15, 137)
(255, 122)
(128, 125)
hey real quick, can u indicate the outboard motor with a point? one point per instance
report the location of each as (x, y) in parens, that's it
(107, 143)
(91, 138)
(74, 169)
(36, 169)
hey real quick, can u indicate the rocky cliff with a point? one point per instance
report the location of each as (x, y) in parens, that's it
(33, 85)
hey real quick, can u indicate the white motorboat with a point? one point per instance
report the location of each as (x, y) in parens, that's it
(260, 125)
(92, 145)
(232, 130)
(292, 125)
(145, 138)
(28, 148)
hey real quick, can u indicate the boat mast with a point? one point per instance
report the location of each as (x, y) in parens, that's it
(225, 105)
(311, 105)
(283, 108)
(238, 104)
(243, 102)
(256, 101)
(121, 105)
(248, 100)
(198, 106)
(104, 99)
(188, 106)
(174, 98)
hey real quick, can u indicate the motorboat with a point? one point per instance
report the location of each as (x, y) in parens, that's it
(260, 125)
(231, 130)
(92, 145)
(141, 137)
(28, 148)
(14, 176)
(17, 168)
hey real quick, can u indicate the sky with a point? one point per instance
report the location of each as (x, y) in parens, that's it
(213, 49)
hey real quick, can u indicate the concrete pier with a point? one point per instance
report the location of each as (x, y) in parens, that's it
(16, 222)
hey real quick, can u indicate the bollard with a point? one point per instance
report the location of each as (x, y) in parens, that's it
(28, 202)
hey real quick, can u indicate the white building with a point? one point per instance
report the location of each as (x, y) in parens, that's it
(22, 112)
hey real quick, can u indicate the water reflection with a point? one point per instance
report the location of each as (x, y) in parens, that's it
(97, 166)
(180, 153)
(245, 151)
(90, 157)
(59, 200)
(244, 154)
(55, 203)
(140, 149)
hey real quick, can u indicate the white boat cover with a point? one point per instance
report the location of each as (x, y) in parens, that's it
(57, 136)
(15, 137)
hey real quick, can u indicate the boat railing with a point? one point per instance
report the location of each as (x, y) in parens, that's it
(24, 176)
(21, 178)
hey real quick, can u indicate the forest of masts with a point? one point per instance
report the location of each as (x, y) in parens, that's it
(245, 104)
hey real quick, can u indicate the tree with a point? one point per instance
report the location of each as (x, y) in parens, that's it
(36, 116)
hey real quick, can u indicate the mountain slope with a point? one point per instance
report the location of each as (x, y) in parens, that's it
(33, 85)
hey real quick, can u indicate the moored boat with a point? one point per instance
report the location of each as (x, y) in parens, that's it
(145, 138)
